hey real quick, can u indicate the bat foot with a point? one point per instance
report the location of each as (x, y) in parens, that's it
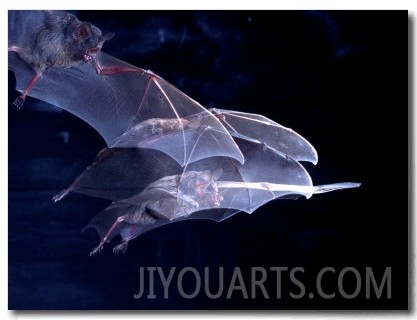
(122, 247)
(96, 249)
(18, 103)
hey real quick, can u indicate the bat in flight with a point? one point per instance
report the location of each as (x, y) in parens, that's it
(167, 157)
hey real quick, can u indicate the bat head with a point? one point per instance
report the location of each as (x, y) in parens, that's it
(89, 40)
(81, 41)
(202, 187)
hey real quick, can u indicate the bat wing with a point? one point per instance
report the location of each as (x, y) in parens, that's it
(149, 219)
(263, 165)
(21, 24)
(103, 221)
(266, 175)
(258, 128)
(165, 201)
(214, 164)
(158, 204)
(120, 173)
(128, 106)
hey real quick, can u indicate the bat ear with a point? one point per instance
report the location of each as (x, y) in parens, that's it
(107, 36)
(83, 31)
(104, 38)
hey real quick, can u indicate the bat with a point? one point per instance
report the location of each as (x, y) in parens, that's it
(167, 157)
(58, 59)
(122, 164)
(214, 188)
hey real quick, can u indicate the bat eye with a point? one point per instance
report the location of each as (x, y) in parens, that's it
(87, 43)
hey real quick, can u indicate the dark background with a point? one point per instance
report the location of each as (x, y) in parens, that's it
(337, 78)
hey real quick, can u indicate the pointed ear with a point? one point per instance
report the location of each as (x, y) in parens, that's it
(107, 36)
(83, 31)
(104, 38)
(217, 174)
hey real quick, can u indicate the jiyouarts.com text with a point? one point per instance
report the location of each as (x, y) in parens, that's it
(264, 283)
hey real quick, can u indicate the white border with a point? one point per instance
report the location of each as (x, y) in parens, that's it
(212, 4)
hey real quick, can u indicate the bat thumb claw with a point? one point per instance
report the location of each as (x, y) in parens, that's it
(60, 195)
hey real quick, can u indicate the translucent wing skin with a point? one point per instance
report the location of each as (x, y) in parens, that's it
(262, 165)
(120, 173)
(120, 100)
(259, 128)
(214, 188)
(21, 25)
(256, 129)
(149, 189)
(168, 158)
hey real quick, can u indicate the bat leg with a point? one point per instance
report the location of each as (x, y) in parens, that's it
(122, 247)
(100, 245)
(97, 249)
(20, 100)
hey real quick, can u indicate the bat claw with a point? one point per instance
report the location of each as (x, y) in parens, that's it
(96, 249)
(60, 195)
(122, 247)
(18, 103)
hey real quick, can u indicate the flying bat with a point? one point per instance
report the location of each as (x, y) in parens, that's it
(167, 157)
(57, 58)
(214, 188)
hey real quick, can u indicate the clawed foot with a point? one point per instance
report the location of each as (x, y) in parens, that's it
(97, 249)
(19, 101)
(122, 247)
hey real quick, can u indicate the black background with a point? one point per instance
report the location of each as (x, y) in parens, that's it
(337, 78)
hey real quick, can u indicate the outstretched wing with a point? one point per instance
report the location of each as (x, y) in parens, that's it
(213, 188)
(122, 102)
(110, 176)
(259, 128)
(120, 173)
(169, 158)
